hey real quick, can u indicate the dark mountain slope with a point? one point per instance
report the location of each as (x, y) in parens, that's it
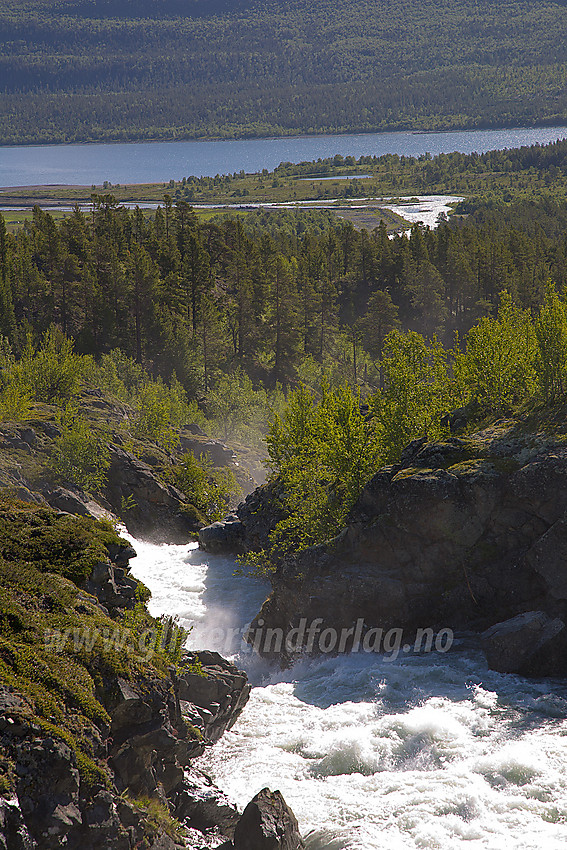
(113, 70)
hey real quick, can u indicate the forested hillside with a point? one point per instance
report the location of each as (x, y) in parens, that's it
(222, 320)
(278, 297)
(76, 70)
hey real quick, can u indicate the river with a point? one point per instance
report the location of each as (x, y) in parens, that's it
(156, 162)
(430, 751)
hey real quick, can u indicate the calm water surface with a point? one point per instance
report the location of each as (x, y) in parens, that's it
(154, 162)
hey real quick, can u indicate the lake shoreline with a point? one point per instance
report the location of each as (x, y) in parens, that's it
(107, 164)
(292, 135)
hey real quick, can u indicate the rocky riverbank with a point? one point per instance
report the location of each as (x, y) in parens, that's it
(138, 487)
(102, 714)
(461, 534)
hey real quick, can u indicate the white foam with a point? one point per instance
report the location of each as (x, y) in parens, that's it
(422, 752)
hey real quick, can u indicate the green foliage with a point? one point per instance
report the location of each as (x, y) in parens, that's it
(170, 639)
(158, 815)
(416, 391)
(323, 451)
(211, 490)
(158, 410)
(230, 67)
(280, 304)
(195, 667)
(7, 358)
(53, 373)
(78, 455)
(163, 637)
(15, 402)
(119, 374)
(497, 368)
(238, 411)
(551, 339)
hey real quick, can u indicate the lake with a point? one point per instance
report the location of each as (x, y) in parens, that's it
(156, 162)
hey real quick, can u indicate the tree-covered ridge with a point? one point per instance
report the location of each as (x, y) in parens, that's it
(272, 298)
(327, 445)
(101, 70)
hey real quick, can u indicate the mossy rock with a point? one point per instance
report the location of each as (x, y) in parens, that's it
(57, 646)
(54, 542)
(413, 472)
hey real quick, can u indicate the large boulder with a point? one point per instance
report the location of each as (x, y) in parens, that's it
(205, 806)
(249, 528)
(72, 500)
(226, 536)
(215, 691)
(155, 510)
(48, 790)
(267, 823)
(530, 644)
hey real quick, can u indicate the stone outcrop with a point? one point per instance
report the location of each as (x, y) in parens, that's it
(109, 580)
(95, 780)
(532, 644)
(267, 823)
(460, 534)
(137, 490)
(248, 529)
(158, 726)
(216, 690)
(154, 510)
(14, 834)
(225, 536)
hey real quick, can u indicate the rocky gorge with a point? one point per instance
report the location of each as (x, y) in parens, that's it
(100, 719)
(102, 713)
(467, 534)
(98, 746)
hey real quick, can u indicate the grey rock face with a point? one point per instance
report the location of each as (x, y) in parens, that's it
(249, 528)
(205, 806)
(150, 743)
(157, 508)
(530, 644)
(14, 834)
(48, 790)
(460, 534)
(74, 502)
(217, 697)
(267, 823)
(224, 536)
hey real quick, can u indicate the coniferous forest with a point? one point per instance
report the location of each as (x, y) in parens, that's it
(267, 294)
(400, 389)
(79, 70)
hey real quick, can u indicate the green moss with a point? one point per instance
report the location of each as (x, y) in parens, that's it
(412, 472)
(58, 649)
(466, 467)
(193, 514)
(486, 465)
(505, 465)
(7, 781)
(158, 816)
(194, 732)
(54, 542)
(90, 772)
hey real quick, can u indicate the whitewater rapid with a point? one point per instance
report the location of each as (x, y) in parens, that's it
(430, 751)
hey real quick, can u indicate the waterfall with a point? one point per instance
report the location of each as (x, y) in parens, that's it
(420, 751)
